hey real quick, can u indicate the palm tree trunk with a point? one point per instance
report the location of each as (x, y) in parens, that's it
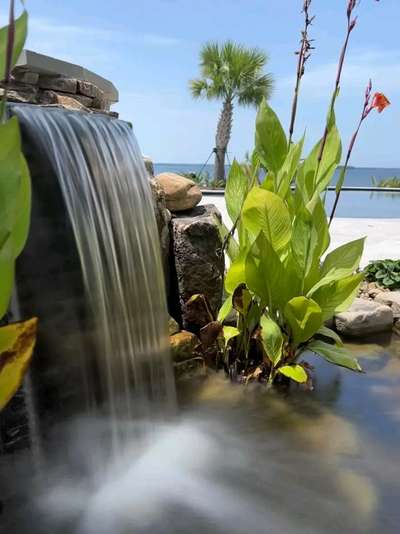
(222, 138)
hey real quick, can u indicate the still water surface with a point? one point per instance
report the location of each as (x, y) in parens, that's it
(236, 460)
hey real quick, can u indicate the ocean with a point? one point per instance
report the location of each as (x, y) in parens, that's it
(357, 204)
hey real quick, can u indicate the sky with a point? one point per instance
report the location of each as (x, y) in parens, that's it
(150, 50)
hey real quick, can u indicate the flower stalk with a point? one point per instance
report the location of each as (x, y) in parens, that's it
(303, 55)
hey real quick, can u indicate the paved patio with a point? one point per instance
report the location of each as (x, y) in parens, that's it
(383, 235)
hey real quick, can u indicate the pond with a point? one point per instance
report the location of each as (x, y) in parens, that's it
(236, 459)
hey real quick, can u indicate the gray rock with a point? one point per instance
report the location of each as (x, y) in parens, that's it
(25, 76)
(163, 219)
(89, 89)
(198, 260)
(22, 93)
(392, 299)
(181, 194)
(173, 326)
(364, 317)
(148, 163)
(58, 83)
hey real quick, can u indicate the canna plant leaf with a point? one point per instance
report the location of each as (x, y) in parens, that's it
(265, 211)
(288, 170)
(324, 331)
(340, 263)
(296, 372)
(270, 139)
(236, 274)
(17, 342)
(337, 296)
(229, 333)
(225, 309)
(334, 354)
(272, 339)
(304, 317)
(21, 30)
(237, 185)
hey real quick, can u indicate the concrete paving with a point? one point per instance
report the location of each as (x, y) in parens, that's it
(383, 235)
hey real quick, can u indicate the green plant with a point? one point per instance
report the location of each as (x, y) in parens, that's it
(16, 340)
(386, 273)
(282, 282)
(203, 180)
(386, 182)
(231, 73)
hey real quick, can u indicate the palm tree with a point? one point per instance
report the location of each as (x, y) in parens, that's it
(231, 73)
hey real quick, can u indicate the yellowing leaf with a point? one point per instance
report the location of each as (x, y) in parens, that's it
(229, 333)
(17, 342)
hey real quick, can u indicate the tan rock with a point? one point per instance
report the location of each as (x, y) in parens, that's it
(173, 326)
(181, 194)
(183, 345)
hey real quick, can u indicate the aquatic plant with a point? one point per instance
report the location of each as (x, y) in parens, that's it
(386, 273)
(16, 340)
(233, 74)
(281, 283)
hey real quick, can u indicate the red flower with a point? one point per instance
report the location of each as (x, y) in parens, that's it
(380, 102)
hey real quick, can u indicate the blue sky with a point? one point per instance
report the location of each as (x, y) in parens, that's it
(149, 49)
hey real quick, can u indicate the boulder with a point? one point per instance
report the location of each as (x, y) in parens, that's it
(173, 326)
(364, 317)
(198, 260)
(183, 345)
(181, 194)
(21, 93)
(89, 89)
(58, 83)
(392, 299)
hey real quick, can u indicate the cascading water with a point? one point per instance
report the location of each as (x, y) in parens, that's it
(107, 194)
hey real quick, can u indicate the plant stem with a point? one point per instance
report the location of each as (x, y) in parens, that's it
(304, 54)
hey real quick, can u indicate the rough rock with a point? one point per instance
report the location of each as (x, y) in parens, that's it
(89, 89)
(163, 218)
(396, 327)
(58, 83)
(21, 93)
(173, 326)
(182, 345)
(392, 299)
(181, 194)
(25, 76)
(197, 256)
(148, 163)
(363, 318)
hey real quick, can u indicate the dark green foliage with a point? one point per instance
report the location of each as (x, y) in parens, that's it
(386, 273)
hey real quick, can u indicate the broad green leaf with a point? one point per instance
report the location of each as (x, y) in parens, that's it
(304, 317)
(337, 296)
(6, 285)
(330, 159)
(21, 28)
(20, 230)
(334, 354)
(267, 276)
(272, 339)
(229, 333)
(236, 190)
(289, 168)
(330, 334)
(225, 309)
(265, 211)
(306, 175)
(296, 372)
(236, 274)
(271, 143)
(10, 173)
(340, 263)
(17, 342)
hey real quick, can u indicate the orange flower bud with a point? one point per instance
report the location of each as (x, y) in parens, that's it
(380, 102)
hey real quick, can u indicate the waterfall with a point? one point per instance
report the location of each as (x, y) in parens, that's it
(107, 195)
